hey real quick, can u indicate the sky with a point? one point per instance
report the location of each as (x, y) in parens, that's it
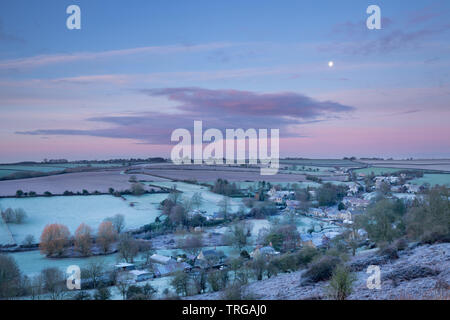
(137, 70)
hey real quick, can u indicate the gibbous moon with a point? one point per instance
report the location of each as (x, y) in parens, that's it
(331, 64)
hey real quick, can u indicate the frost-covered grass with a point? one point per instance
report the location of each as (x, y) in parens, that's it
(433, 179)
(74, 210)
(377, 171)
(32, 262)
(6, 172)
(211, 201)
(5, 235)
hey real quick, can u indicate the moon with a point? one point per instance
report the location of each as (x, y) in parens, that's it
(331, 64)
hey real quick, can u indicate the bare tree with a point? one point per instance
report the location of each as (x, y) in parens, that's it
(128, 247)
(192, 244)
(118, 222)
(93, 272)
(10, 277)
(54, 282)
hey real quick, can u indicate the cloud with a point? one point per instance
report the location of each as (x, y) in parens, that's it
(354, 38)
(7, 37)
(219, 109)
(42, 60)
(398, 39)
(428, 13)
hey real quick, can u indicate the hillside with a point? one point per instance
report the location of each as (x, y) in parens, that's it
(420, 272)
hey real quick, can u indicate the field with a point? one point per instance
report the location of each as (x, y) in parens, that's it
(7, 169)
(440, 165)
(75, 182)
(210, 200)
(74, 210)
(376, 170)
(433, 179)
(321, 162)
(206, 174)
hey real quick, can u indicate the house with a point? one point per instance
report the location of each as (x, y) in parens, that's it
(157, 258)
(125, 266)
(354, 202)
(265, 251)
(412, 188)
(353, 189)
(279, 197)
(292, 204)
(345, 215)
(317, 212)
(140, 275)
(210, 258)
(307, 240)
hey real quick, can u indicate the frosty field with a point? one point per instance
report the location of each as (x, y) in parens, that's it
(210, 201)
(376, 170)
(74, 210)
(433, 179)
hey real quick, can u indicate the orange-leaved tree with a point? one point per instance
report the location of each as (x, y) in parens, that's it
(83, 239)
(106, 235)
(54, 239)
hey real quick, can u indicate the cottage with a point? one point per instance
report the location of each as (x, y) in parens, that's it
(354, 202)
(264, 251)
(210, 258)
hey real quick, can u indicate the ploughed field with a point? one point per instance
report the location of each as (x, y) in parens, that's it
(75, 182)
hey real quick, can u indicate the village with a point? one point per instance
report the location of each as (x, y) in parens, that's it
(178, 232)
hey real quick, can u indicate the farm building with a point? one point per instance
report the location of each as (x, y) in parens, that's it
(157, 258)
(162, 270)
(125, 266)
(140, 275)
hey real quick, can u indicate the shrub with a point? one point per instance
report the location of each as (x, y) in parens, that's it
(28, 241)
(389, 251)
(102, 293)
(217, 279)
(321, 270)
(232, 292)
(341, 283)
(137, 189)
(401, 244)
(140, 293)
(306, 255)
